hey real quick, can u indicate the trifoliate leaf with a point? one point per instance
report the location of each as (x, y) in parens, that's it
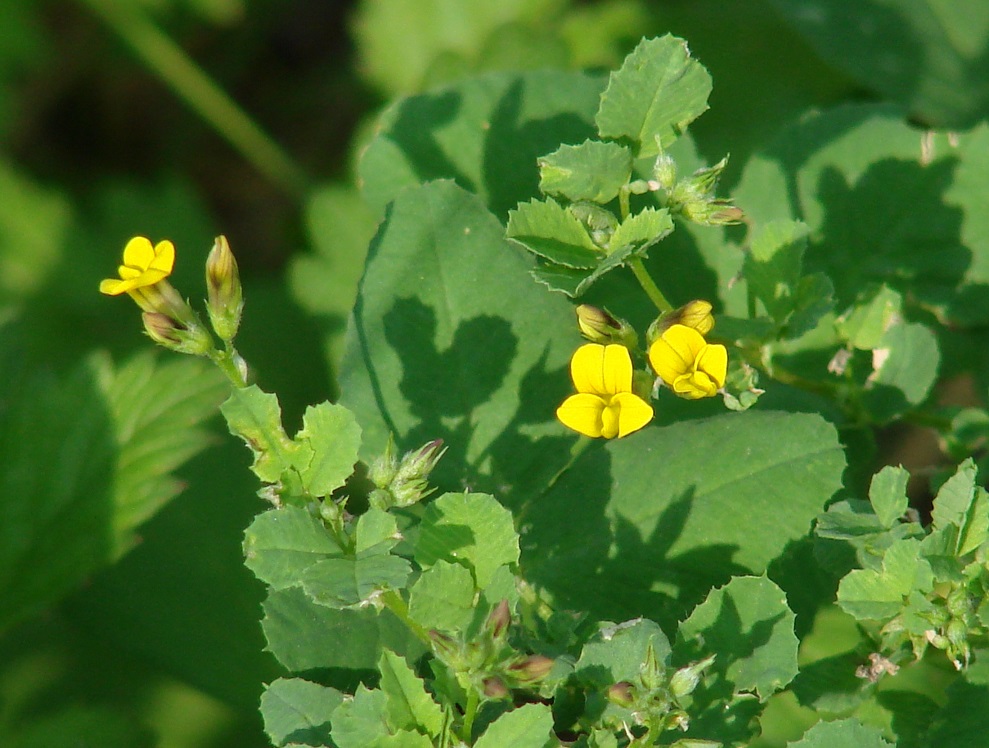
(282, 543)
(551, 231)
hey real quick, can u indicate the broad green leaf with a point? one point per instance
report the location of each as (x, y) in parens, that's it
(658, 518)
(878, 595)
(842, 733)
(888, 494)
(361, 721)
(298, 711)
(616, 652)
(905, 365)
(750, 627)
(409, 706)
(774, 265)
(88, 457)
(655, 95)
(375, 533)
(399, 41)
(848, 174)
(333, 437)
(452, 339)
(485, 132)
(875, 311)
(442, 598)
(640, 231)
(282, 543)
(927, 55)
(529, 726)
(549, 230)
(255, 417)
(339, 582)
(307, 636)
(960, 502)
(594, 170)
(469, 528)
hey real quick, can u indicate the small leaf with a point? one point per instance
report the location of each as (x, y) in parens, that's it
(616, 652)
(282, 543)
(658, 91)
(339, 582)
(298, 711)
(256, 418)
(471, 528)
(888, 494)
(409, 706)
(529, 726)
(842, 733)
(551, 231)
(906, 366)
(360, 722)
(593, 170)
(333, 436)
(774, 264)
(954, 498)
(875, 311)
(750, 627)
(375, 533)
(442, 598)
(641, 231)
(878, 595)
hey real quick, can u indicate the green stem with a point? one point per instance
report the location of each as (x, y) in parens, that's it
(473, 700)
(649, 286)
(226, 361)
(394, 602)
(169, 61)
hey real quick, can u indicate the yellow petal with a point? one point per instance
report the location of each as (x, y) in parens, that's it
(713, 361)
(673, 354)
(694, 385)
(113, 287)
(138, 253)
(164, 258)
(582, 413)
(609, 420)
(634, 412)
(601, 369)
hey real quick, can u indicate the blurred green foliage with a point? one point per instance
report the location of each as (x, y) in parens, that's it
(131, 622)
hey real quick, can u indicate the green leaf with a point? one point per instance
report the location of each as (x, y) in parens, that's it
(442, 598)
(361, 722)
(842, 733)
(961, 722)
(640, 231)
(282, 543)
(774, 265)
(255, 417)
(660, 517)
(875, 311)
(888, 494)
(409, 706)
(655, 95)
(306, 636)
(451, 339)
(333, 437)
(750, 627)
(905, 368)
(616, 652)
(469, 528)
(549, 230)
(298, 711)
(529, 726)
(375, 533)
(960, 502)
(878, 595)
(486, 133)
(926, 55)
(339, 582)
(593, 170)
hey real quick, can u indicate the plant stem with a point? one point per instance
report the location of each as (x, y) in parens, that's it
(170, 62)
(469, 713)
(649, 286)
(226, 361)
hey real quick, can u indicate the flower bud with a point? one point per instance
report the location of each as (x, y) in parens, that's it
(621, 693)
(685, 680)
(664, 171)
(175, 336)
(495, 688)
(499, 618)
(599, 326)
(531, 669)
(695, 314)
(225, 301)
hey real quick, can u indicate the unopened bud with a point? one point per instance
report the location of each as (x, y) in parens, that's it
(531, 669)
(175, 336)
(381, 472)
(664, 171)
(445, 647)
(495, 688)
(695, 314)
(499, 619)
(621, 693)
(685, 680)
(225, 301)
(599, 326)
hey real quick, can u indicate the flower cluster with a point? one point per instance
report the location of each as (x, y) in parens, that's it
(611, 401)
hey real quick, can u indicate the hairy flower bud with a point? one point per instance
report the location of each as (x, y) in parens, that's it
(599, 326)
(499, 619)
(531, 669)
(175, 336)
(495, 688)
(225, 301)
(621, 693)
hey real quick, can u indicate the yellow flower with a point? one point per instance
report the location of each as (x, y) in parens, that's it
(688, 364)
(604, 404)
(696, 314)
(144, 265)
